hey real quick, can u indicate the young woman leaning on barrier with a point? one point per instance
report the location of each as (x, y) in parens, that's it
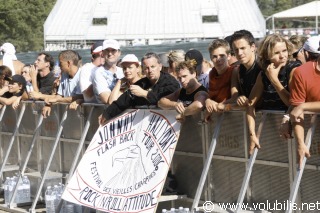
(271, 89)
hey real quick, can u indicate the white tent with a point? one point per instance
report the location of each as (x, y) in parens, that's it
(311, 9)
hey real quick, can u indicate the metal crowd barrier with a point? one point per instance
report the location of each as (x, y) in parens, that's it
(211, 162)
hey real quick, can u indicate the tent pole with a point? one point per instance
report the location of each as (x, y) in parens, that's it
(317, 18)
(317, 24)
(273, 24)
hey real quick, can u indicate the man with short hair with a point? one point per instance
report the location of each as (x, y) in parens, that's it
(42, 76)
(69, 88)
(106, 76)
(244, 77)
(219, 77)
(146, 91)
(189, 99)
(310, 49)
(88, 71)
(304, 96)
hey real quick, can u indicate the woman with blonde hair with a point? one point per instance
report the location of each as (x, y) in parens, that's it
(175, 57)
(272, 84)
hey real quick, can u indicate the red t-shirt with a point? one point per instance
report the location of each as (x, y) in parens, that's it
(305, 84)
(220, 85)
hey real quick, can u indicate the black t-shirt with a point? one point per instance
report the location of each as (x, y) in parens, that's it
(45, 83)
(165, 85)
(247, 78)
(271, 99)
(187, 99)
(9, 94)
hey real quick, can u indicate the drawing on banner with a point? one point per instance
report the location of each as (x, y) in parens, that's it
(131, 168)
(126, 163)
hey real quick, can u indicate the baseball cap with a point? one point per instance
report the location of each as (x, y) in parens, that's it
(130, 58)
(96, 47)
(312, 45)
(196, 55)
(18, 79)
(110, 43)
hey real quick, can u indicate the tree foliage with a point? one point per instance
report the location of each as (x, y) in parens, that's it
(21, 23)
(269, 7)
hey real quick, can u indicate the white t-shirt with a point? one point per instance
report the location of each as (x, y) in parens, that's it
(69, 86)
(104, 80)
(86, 79)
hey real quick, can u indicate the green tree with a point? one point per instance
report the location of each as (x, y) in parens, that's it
(21, 23)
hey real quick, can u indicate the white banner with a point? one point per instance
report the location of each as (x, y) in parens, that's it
(126, 164)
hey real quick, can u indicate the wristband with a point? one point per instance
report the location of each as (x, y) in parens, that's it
(286, 116)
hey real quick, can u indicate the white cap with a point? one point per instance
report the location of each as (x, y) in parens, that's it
(110, 43)
(312, 44)
(130, 58)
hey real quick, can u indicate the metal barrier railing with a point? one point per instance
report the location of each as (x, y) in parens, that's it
(90, 121)
(298, 176)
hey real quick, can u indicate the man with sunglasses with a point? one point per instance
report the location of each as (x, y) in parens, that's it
(305, 94)
(310, 49)
(106, 76)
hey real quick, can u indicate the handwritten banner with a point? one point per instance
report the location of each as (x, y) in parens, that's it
(125, 165)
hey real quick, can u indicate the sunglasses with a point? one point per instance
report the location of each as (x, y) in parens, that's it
(295, 54)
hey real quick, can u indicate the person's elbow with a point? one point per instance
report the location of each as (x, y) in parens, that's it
(104, 97)
(199, 105)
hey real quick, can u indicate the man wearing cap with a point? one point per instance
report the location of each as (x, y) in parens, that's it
(203, 66)
(16, 88)
(305, 95)
(88, 70)
(10, 59)
(146, 91)
(106, 76)
(310, 49)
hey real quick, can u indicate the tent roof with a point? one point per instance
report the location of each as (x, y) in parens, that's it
(305, 10)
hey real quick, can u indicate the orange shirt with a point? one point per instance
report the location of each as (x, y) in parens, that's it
(220, 85)
(305, 86)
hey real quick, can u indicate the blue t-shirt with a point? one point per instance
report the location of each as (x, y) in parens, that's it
(69, 86)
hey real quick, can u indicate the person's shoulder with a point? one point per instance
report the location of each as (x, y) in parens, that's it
(213, 72)
(142, 81)
(88, 66)
(305, 67)
(202, 88)
(51, 75)
(100, 69)
(294, 64)
(166, 77)
(99, 72)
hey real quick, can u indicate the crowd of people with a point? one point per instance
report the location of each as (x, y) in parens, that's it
(275, 73)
